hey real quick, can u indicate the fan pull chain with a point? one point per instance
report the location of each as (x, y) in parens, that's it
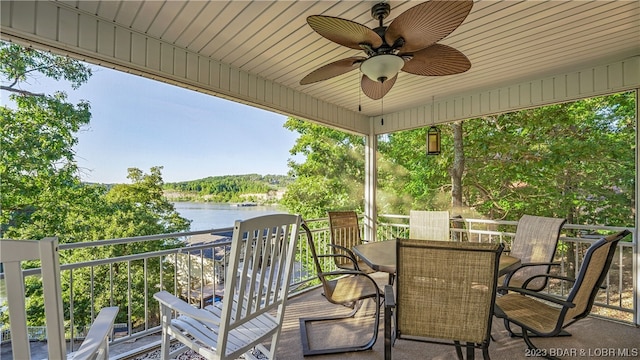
(382, 111)
(359, 94)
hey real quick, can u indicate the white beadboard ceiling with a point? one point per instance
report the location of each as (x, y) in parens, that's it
(506, 41)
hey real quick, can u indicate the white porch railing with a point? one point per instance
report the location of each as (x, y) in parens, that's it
(129, 281)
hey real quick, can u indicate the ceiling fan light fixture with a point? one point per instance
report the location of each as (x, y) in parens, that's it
(382, 67)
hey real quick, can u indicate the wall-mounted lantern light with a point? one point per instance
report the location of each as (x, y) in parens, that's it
(433, 141)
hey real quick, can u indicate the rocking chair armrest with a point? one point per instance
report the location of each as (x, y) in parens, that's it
(171, 301)
(539, 295)
(98, 333)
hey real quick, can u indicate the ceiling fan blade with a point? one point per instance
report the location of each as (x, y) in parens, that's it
(437, 60)
(332, 69)
(375, 89)
(427, 23)
(344, 32)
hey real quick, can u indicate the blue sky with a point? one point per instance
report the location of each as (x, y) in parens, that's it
(137, 122)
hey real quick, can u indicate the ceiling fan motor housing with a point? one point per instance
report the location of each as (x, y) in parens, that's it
(380, 11)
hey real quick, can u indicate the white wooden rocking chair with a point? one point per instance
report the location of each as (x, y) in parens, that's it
(12, 254)
(256, 290)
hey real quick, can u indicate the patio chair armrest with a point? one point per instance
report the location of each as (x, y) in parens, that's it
(96, 339)
(358, 273)
(389, 296)
(333, 255)
(547, 276)
(559, 277)
(171, 301)
(389, 305)
(355, 264)
(349, 254)
(340, 247)
(508, 277)
(554, 263)
(347, 272)
(539, 295)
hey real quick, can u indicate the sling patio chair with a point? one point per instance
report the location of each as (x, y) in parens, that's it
(255, 294)
(12, 253)
(535, 244)
(445, 294)
(543, 315)
(429, 225)
(345, 234)
(342, 287)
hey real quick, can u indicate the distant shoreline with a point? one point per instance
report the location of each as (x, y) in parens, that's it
(271, 198)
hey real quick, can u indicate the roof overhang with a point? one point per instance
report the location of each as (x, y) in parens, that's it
(523, 53)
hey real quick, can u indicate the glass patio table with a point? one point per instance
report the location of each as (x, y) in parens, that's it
(381, 256)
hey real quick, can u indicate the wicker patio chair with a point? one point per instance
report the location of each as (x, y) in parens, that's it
(429, 225)
(445, 294)
(540, 314)
(342, 287)
(12, 253)
(535, 245)
(345, 234)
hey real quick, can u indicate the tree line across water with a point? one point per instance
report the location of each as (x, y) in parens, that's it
(230, 188)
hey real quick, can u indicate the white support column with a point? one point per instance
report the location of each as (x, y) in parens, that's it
(636, 248)
(370, 185)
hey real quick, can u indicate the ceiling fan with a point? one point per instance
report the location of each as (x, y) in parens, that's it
(409, 44)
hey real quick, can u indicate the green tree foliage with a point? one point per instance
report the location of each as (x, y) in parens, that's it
(19, 64)
(142, 208)
(38, 134)
(332, 176)
(407, 178)
(572, 160)
(125, 210)
(42, 194)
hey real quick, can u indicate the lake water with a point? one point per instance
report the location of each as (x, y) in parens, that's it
(206, 216)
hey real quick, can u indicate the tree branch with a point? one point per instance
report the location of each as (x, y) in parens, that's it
(19, 91)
